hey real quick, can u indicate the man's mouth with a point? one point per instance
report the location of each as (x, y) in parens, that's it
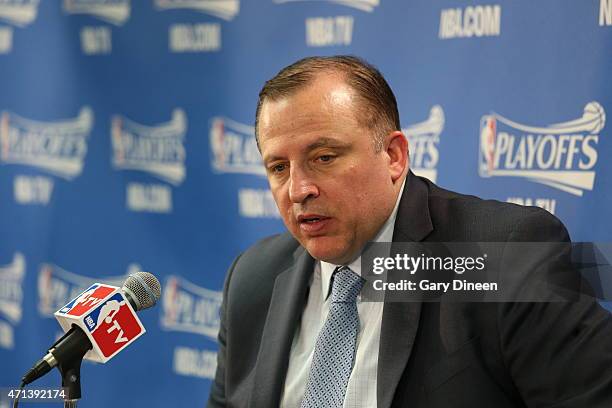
(313, 223)
(311, 218)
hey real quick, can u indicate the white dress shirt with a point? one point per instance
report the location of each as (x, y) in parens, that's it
(361, 389)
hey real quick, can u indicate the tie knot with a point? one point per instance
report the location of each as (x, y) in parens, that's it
(346, 286)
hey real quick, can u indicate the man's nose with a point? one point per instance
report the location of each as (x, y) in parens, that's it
(301, 186)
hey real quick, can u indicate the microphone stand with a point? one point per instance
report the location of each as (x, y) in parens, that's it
(69, 364)
(71, 380)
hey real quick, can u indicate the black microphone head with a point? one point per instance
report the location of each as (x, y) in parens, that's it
(143, 290)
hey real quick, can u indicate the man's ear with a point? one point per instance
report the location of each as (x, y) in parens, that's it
(397, 150)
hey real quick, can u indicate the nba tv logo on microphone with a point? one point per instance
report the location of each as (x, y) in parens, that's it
(107, 318)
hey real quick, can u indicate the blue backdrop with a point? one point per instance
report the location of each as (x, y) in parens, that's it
(126, 143)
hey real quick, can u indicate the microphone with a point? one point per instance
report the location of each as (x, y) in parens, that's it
(105, 307)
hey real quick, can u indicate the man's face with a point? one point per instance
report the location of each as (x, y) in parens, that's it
(333, 191)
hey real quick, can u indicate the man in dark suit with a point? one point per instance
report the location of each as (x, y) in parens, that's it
(328, 131)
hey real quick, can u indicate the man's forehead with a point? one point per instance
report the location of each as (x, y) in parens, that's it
(320, 114)
(341, 95)
(307, 105)
(324, 87)
(288, 110)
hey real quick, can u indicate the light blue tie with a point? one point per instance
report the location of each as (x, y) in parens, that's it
(334, 351)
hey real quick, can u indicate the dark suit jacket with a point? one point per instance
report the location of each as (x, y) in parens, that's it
(458, 355)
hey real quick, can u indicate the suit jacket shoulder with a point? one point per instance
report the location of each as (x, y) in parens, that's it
(461, 217)
(269, 257)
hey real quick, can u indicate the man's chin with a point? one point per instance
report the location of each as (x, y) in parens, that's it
(328, 252)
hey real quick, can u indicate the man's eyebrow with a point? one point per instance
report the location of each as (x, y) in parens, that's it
(269, 159)
(326, 142)
(320, 142)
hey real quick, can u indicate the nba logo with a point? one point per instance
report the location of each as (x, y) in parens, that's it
(87, 300)
(113, 325)
(488, 132)
(217, 143)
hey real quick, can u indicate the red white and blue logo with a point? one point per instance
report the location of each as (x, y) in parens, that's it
(87, 300)
(113, 325)
(107, 318)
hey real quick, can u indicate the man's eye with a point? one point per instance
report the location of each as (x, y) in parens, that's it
(326, 158)
(277, 168)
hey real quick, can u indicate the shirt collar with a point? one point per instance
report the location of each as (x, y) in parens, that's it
(385, 234)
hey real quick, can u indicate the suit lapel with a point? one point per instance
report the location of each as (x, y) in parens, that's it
(285, 311)
(400, 320)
